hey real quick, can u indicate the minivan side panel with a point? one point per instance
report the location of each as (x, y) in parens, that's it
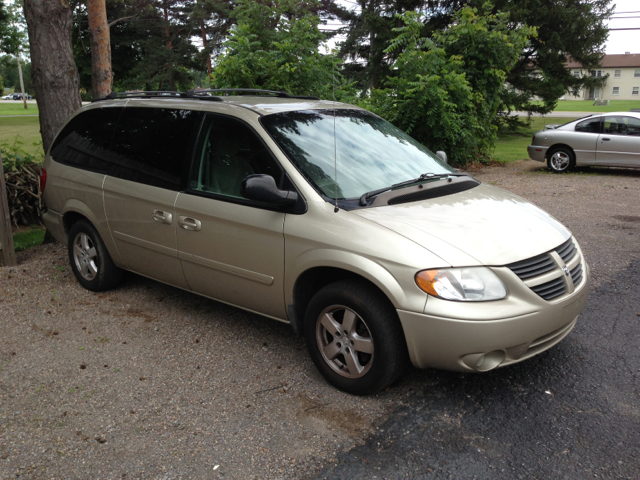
(71, 189)
(322, 238)
(143, 223)
(237, 254)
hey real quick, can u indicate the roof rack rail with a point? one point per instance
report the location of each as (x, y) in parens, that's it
(208, 94)
(155, 94)
(276, 93)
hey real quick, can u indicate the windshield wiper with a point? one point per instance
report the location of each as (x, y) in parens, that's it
(425, 176)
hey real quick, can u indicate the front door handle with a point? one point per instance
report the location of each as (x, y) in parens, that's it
(162, 217)
(606, 139)
(190, 223)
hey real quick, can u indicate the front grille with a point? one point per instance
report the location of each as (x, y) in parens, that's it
(576, 274)
(552, 289)
(527, 270)
(533, 267)
(567, 250)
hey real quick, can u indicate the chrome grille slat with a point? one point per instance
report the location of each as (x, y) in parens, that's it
(567, 250)
(576, 274)
(552, 289)
(533, 267)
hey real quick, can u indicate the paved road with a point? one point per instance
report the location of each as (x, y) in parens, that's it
(572, 412)
(557, 114)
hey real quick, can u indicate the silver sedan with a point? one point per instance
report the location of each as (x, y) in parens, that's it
(608, 139)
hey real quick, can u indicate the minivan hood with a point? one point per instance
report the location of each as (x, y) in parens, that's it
(481, 226)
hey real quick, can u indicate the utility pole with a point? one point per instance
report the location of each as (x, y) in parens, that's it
(7, 251)
(24, 97)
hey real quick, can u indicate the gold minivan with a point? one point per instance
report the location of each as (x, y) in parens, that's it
(317, 214)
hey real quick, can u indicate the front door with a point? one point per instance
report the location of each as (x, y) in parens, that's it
(231, 249)
(620, 142)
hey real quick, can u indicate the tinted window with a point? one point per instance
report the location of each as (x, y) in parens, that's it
(228, 152)
(622, 126)
(589, 126)
(151, 145)
(84, 141)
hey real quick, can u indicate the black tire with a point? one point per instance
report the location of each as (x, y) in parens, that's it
(374, 318)
(561, 160)
(91, 264)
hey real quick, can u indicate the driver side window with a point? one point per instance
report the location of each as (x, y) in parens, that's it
(227, 153)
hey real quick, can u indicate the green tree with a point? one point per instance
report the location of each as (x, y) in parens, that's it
(445, 90)
(277, 47)
(565, 29)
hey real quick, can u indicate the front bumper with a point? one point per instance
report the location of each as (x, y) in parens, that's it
(537, 152)
(470, 340)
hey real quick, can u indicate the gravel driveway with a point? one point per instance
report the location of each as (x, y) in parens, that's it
(148, 381)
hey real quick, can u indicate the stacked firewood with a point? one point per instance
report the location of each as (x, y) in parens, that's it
(23, 194)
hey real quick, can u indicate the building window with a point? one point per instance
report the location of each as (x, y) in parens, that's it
(616, 91)
(598, 73)
(635, 91)
(576, 73)
(617, 74)
(637, 72)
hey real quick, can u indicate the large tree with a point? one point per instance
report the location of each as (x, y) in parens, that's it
(566, 29)
(55, 76)
(101, 73)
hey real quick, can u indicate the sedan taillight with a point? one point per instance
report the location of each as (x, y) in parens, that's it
(533, 140)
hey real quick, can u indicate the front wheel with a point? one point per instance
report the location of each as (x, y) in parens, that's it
(355, 338)
(561, 160)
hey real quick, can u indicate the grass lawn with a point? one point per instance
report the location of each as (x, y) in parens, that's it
(26, 128)
(587, 106)
(18, 109)
(513, 146)
(28, 238)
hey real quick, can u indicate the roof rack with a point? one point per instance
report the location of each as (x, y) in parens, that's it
(208, 94)
(276, 93)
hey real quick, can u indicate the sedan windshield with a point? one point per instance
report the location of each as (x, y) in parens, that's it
(357, 154)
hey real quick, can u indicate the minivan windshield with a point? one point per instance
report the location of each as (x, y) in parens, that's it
(369, 152)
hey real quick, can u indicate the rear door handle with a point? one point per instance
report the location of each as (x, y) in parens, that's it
(190, 223)
(162, 217)
(606, 139)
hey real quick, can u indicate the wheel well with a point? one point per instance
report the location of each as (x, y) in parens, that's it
(314, 279)
(553, 148)
(70, 218)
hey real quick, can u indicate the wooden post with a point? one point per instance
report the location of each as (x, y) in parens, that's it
(24, 96)
(7, 252)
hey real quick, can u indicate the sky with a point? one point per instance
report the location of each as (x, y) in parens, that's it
(625, 40)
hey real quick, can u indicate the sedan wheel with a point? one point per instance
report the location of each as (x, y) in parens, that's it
(561, 160)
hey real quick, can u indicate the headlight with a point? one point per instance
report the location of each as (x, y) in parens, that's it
(473, 284)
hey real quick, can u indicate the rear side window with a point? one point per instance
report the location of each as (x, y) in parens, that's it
(151, 145)
(84, 141)
(589, 126)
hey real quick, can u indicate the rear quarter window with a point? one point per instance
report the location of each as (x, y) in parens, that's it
(84, 142)
(590, 126)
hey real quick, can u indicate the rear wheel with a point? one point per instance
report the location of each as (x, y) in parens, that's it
(561, 159)
(90, 261)
(355, 338)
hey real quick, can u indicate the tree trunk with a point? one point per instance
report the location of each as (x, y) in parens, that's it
(205, 44)
(101, 73)
(54, 72)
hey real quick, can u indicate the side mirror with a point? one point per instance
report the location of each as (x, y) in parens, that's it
(263, 188)
(442, 156)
